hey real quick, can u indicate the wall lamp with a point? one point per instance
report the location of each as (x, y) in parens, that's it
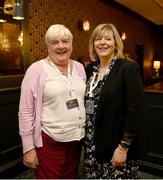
(123, 36)
(84, 25)
(156, 67)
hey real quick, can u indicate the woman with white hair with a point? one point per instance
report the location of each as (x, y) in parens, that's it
(51, 109)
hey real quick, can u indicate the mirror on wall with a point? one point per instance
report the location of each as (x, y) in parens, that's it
(11, 48)
(12, 45)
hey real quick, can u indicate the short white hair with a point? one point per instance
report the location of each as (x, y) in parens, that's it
(57, 30)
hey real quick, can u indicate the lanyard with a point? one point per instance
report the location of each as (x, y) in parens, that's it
(93, 84)
(69, 76)
(69, 72)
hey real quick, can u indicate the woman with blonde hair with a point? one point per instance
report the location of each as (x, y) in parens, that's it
(114, 105)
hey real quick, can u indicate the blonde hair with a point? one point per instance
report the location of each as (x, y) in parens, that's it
(101, 29)
(57, 30)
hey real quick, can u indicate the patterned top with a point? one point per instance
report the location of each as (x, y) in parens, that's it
(93, 168)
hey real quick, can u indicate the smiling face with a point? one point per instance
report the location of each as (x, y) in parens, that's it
(105, 45)
(59, 42)
(60, 49)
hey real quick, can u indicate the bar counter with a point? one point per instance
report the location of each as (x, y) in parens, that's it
(155, 88)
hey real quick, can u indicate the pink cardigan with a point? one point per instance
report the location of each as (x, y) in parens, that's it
(30, 106)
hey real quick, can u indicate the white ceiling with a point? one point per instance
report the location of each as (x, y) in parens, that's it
(150, 9)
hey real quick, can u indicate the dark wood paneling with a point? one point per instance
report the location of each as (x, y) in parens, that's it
(152, 130)
(10, 142)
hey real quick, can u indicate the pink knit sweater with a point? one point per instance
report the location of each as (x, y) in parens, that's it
(30, 106)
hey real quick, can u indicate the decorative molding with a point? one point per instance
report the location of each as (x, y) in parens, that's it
(10, 164)
(159, 3)
(151, 165)
(10, 89)
(10, 149)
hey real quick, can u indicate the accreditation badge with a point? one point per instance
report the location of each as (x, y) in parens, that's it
(89, 106)
(73, 103)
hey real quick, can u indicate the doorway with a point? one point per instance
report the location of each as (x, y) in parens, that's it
(139, 49)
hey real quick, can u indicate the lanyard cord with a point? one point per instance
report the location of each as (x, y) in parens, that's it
(69, 75)
(94, 84)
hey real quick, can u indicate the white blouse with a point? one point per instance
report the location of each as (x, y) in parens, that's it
(60, 122)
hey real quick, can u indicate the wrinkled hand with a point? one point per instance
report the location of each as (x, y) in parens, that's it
(119, 157)
(30, 159)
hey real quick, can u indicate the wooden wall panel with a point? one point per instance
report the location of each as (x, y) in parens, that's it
(10, 142)
(152, 129)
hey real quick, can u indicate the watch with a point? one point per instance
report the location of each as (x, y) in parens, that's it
(124, 145)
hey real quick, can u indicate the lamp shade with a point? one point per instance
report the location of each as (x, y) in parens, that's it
(156, 64)
(18, 14)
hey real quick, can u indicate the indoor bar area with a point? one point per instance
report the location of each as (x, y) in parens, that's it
(23, 24)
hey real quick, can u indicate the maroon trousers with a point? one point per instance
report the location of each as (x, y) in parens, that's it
(57, 160)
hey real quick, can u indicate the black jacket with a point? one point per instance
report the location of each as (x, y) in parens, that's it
(119, 110)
